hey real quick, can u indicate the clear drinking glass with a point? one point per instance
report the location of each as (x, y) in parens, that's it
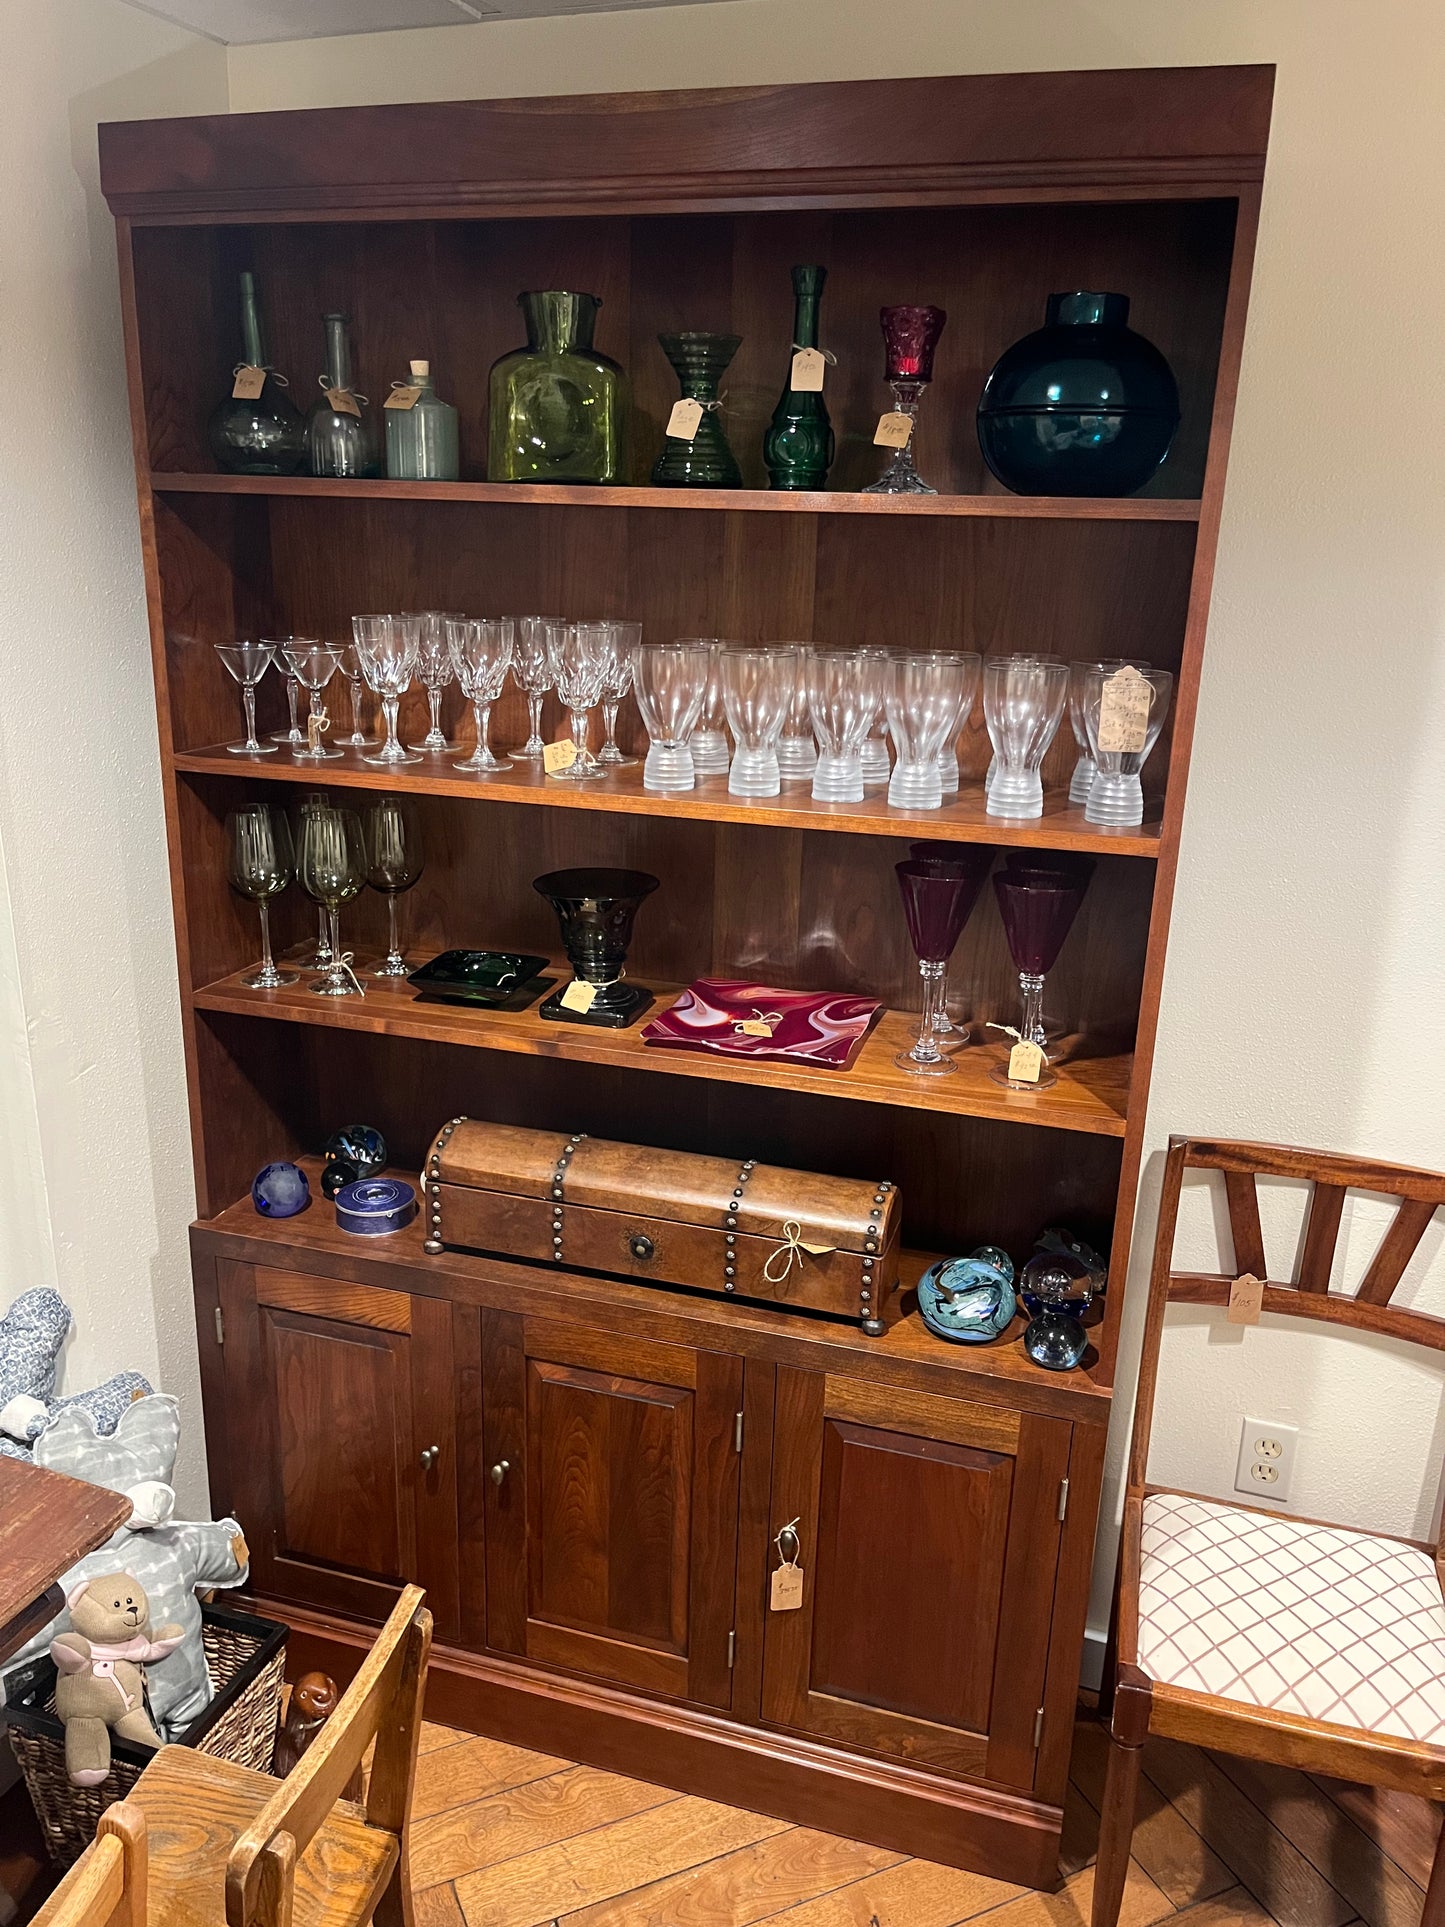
(669, 680)
(1082, 780)
(481, 654)
(331, 868)
(434, 671)
(293, 733)
(797, 752)
(622, 639)
(937, 901)
(260, 864)
(925, 695)
(1120, 743)
(387, 648)
(948, 755)
(759, 684)
(845, 698)
(1023, 700)
(247, 662)
(313, 664)
(392, 832)
(579, 664)
(356, 682)
(536, 644)
(711, 752)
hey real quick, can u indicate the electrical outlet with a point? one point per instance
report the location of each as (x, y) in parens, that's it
(1265, 1468)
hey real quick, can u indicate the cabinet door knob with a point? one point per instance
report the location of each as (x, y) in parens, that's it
(500, 1471)
(430, 1456)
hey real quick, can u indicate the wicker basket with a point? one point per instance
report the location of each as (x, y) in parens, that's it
(245, 1658)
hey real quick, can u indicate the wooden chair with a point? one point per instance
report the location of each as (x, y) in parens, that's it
(231, 1845)
(1253, 1631)
(107, 1885)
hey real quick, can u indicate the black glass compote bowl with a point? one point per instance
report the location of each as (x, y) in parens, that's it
(596, 909)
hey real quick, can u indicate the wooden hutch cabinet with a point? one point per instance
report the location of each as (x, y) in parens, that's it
(595, 1479)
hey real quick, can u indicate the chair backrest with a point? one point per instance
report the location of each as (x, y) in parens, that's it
(1307, 1294)
(107, 1885)
(383, 1703)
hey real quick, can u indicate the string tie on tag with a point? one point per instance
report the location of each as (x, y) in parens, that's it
(344, 962)
(772, 1018)
(318, 721)
(801, 348)
(791, 1250)
(708, 407)
(266, 368)
(783, 1532)
(1008, 1031)
(326, 386)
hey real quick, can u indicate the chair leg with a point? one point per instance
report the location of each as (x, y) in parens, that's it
(393, 1906)
(1116, 1833)
(1434, 1912)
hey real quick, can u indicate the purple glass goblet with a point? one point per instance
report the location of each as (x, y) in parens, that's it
(1038, 911)
(938, 900)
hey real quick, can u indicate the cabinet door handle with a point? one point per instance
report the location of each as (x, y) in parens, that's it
(429, 1457)
(500, 1471)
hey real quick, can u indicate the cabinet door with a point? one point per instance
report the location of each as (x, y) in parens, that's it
(341, 1413)
(929, 1536)
(612, 1504)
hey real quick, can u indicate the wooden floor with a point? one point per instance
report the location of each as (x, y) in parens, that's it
(507, 1838)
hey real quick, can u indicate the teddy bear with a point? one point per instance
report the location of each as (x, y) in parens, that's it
(100, 1672)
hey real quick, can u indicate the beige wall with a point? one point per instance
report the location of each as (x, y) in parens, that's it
(1306, 982)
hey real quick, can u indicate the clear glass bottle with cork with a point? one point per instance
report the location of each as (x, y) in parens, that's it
(341, 435)
(422, 443)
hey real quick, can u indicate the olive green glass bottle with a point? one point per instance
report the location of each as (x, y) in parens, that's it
(798, 446)
(558, 408)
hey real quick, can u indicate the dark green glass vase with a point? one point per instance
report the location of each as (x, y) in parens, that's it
(558, 409)
(798, 446)
(699, 361)
(266, 436)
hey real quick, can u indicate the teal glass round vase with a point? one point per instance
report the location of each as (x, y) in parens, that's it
(706, 461)
(558, 408)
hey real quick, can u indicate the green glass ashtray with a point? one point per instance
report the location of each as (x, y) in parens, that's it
(494, 978)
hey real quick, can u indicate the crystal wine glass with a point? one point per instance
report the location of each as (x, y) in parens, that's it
(537, 639)
(1038, 912)
(331, 868)
(622, 639)
(320, 956)
(356, 682)
(845, 696)
(910, 336)
(481, 653)
(669, 680)
(797, 752)
(1023, 700)
(579, 665)
(1082, 780)
(387, 647)
(949, 859)
(393, 864)
(313, 664)
(434, 671)
(259, 865)
(925, 695)
(711, 752)
(247, 662)
(1124, 710)
(937, 901)
(759, 684)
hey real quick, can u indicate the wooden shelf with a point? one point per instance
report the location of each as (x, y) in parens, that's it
(962, 819)
(1029, 508)
(999, 1372)
(1091, 1095)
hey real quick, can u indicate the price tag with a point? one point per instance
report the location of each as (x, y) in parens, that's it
(1124, 712)
(894, 430)
(579, 996)
(248, 383)
(685, 420)
(753, 1027)
(1246, 1300)
(807, 376)
(787, 1589)
(403, 397)
(1025, 1063)
(558, 756)
(343, 401)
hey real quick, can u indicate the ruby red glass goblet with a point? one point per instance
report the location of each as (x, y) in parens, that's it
(937, 902)
(1038, 909)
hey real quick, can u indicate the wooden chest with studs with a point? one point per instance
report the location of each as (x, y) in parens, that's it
(794, 1239)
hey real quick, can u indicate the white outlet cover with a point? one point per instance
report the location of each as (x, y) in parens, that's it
(1264, 1469)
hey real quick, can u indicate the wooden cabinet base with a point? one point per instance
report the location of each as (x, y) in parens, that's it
(982, 1829)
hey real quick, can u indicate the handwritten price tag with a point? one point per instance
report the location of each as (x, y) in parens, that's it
(343, 401)
(248, 384)
(894, 430)
(685, 420)
(807, 377)
(579, 996)
(1246, 1300)
(407, 397)
(558, 756)
(1124, 712)
(753, 1027)
(786, 1594)
(1025, 1063)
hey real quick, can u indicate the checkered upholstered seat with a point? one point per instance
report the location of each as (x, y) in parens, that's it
(1315, 1620)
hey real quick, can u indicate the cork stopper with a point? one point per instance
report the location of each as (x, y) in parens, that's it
(421, 368)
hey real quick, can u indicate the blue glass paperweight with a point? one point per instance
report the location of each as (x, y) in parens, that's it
(969, 1301)
(361, 1145)
(1056, 1288)
(280, 1190)
(336, 1172)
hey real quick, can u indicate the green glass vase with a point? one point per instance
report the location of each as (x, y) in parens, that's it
(798, 446)
(699, 361)
(558, 408)
(266, 434)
